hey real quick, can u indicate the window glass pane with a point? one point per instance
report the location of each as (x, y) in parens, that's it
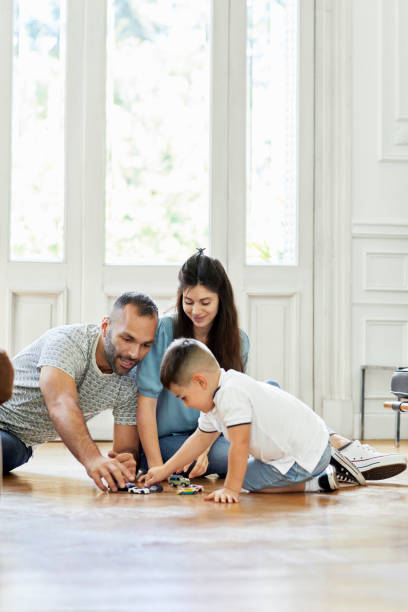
(37, 183)
(272, 122)
(157, 130)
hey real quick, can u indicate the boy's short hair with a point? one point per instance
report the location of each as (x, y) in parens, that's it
(184, 358)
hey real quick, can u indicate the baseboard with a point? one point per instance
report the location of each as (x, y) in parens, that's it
(381, 426)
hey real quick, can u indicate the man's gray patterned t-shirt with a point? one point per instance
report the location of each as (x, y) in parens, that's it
(70, 348)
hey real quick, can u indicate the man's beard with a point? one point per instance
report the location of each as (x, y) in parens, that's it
(111, 355)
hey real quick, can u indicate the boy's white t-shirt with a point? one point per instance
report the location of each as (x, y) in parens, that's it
(283, 429)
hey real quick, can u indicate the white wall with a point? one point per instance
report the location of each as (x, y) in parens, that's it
(379, 192)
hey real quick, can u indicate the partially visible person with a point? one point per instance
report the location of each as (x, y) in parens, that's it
(288, 444)
(206, 311)
(6, 377)
(72, 373)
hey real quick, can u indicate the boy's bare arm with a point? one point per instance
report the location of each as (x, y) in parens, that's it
(190, 450)
(6, 377)
(237, 464)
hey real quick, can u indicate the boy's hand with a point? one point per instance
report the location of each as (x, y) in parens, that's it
(225, 496)
(155, 474)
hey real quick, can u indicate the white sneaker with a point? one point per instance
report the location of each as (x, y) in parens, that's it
(373, 464)
(347, 472)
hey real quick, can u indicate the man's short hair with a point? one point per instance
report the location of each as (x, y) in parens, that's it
(184, 358)
(145, 305)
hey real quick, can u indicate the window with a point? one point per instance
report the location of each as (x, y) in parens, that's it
(37, 182)
(157, 130)
(271, 137)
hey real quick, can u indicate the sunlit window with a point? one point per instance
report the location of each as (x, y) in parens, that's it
(157, 130)
(37, 184)
(272, 122)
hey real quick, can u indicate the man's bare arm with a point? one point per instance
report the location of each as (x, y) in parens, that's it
(126, 447)
(61, 398)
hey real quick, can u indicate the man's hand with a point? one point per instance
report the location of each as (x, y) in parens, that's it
(225, 496)
(200, 467)
(128, 460)
(112, 471)
(155, 474)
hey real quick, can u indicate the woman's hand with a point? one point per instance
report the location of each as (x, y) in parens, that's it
(200, 467)
(225, 496)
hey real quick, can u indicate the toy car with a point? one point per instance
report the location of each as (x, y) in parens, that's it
(191, 490)
(178, 481)
(139, 490)
(128, 485)
(156, 488)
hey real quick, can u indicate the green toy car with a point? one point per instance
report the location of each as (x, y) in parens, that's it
(176, 480)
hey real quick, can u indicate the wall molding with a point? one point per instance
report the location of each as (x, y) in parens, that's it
(393, 92)
(332, 295)
(277, 313)
(58, 299)
(385, 283)
(396, 229)
(371, 322)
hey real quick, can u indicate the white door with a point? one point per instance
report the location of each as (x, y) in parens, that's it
(182, 125)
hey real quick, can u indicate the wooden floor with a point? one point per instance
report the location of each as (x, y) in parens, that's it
(66, 546)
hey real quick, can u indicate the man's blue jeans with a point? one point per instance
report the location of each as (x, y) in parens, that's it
(14, 451)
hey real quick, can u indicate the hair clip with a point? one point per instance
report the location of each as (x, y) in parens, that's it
(200, 251)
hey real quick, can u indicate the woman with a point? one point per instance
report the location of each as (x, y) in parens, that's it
(206, 311)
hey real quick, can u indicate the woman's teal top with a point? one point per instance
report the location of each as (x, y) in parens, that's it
(172, 415)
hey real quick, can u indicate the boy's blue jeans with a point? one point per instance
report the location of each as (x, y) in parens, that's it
(261, 475)
(14, 451)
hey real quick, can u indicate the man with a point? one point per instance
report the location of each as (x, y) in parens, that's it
(70, 374)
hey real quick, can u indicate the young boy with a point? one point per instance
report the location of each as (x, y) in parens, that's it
(288, 443)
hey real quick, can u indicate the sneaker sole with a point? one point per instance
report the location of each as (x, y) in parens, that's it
(347, 465)
(381, 472)
(332, 478)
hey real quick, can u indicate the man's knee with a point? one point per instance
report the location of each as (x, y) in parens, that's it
(14, 451)
(6, 377)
